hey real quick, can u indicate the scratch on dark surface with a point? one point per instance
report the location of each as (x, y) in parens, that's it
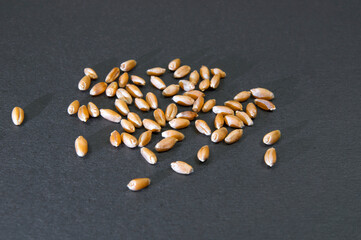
(148, 56)
(35, 108)
(194, 57)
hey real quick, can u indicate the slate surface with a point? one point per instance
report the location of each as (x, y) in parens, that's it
(307, 52)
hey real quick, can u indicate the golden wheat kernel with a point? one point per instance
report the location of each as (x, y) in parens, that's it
(219, 71)
(110, 115)
(203, 127)
(234, 105)
(215, 81)
(152, 100)
(148, 155)
(233, 121)
(134, 90)
(242, 96)
(203, 153)
(83, 113)
(91, 73)
(262, 93)
(144, 138)
(127, 126)
(244, 117)
(182, 71)
(84, 83)
(209, 105)
(179, 123)
(135, 119)
(157, 83)
(171, 90)
(129, 140)
(270, 157)
(204, 85)
(93, 110)
(81, 146)
(115, 138)
(138, 184)
(219, 120)
(156, 71)
(194, 94)
(171, 112)
(159, 117)
(194, 77)
(151, 125)
(124, 95)
(98, 89)
(265, 104)
(190, 115)
(165, 144)
(111, 89)
(186, 85)
(17, 116)
(233, 136)
(181, 167)
(222, 109)
(137, 80)
(123, 80)
(272, 137)
(173, 133)
(174, 64)
(128, 65)
(251, 110)
(204, 72)
(112, 75)
(219, 135)
(73, 107)
(121, 106)
(141, 104)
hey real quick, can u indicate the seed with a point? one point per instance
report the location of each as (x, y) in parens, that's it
(173, 133)
(251, 110)
(17, 115)
(198, 104)
(144, 138)
(262, 93)
(204, 72)
(183, 100)
(204, 85)
(182, 71)
(174, 64)
(73, 107)
(219, 121)
(233, 121)
(84, 83)
(112, 75)
(83, 113)
(272, 137)
(124, 95)
(151, 125)
(134, 90)
(152, 100)
(215, 71)
(194, 77)
(181, 167)
(81, 146)
(93, 110)
(123, 79)
(110, 115)
(265, 104)
(159, 117)
(137, 80)
(216, 79)
(223, 109)
(135, 119)
(171, 90)
(242, 96)
(121, 106)
(98, 89)
(270, 157)
(141, 104)
(138, 184)
(203, 127)
(165, 144)
(127, 126)
(157, 82)
(128, 65)
(91, 73)
(190, 115)
(129, 140)
(245, 118)
(194, 94)
(234, 105)
(179, 123)
(234, 136)
(115, 138)
(219, 134)
(208, 105)
(111, 89)
(148, 155)
(203, 153)
(171, 112)
(157, 71)
(186, 85)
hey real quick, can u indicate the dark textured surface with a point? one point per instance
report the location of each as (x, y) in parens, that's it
(307, 53)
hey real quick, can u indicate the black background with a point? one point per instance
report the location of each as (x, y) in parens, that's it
(306, 52)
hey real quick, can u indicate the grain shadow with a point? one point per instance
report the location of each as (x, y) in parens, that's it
(35, 108)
